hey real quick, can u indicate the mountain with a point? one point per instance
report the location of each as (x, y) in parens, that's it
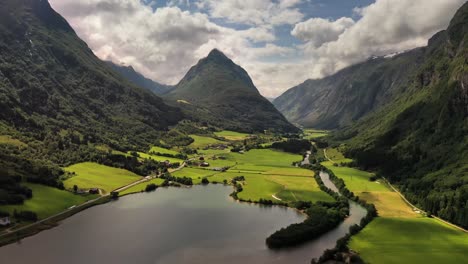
(58, 100)
(219, 92)
(138, 79)
(419, 139)
(348, 95)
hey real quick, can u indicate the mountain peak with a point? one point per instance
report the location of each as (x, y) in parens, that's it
(216, 53)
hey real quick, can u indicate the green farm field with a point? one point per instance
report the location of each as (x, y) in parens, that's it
(231, 135)
(399, 235)
(93, 175)
(47, 201)
(141, 187)
(163, 150)
(268, 174)
(410, 240)
(201, 141)
(314, 133)
(158, 158)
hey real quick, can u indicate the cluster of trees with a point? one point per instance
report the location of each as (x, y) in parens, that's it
(151, 187)
(323, 217)
(293, 145)
(169, 178)
(25, 215)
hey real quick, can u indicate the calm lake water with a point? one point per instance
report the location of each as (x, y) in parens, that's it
(201, 224)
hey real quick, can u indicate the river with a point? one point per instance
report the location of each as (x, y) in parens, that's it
(201, 224)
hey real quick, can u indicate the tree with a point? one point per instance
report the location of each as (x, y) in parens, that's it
(75, 188)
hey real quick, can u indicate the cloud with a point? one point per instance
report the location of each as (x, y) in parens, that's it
(387, 26)
(318, 31)
(254, 12)
(164, 43)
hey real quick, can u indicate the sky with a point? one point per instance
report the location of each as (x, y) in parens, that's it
(281, 43)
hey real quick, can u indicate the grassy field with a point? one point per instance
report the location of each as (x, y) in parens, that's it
(201, 141)
(158, 158)
(194, 173)
(93, 175)
(48, 201)
(141, 187)
(314, 133)
(231, 135)
(356, 180)
(410, 240)
(399, 235)
(163, 150)
(5, 139)
(267, 173)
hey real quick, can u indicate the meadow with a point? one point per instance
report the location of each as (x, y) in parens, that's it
(268, 174)
(48, 201)
(314, 133)
(201, 141)
(398, 235)
(232, 135)
(161, 150)
(158, 158)
(410, 240)
(93, 175)
(141, 186)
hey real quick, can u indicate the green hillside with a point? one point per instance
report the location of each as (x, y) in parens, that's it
(420, 140)
(219, 92)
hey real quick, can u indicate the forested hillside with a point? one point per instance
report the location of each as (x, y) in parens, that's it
(420, 140)
(58, 101)
(218, 92)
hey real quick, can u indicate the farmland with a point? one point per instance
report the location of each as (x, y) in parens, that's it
(231, 135)
(399, 234)
(48, 201)
(92, 175)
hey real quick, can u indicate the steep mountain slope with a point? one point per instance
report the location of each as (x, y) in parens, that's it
(138, 79)
(50, 79)
(344, 97)
(420, 139)
(58, 100)
(219, 92)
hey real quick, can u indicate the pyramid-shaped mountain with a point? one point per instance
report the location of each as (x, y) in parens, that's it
(221, 93)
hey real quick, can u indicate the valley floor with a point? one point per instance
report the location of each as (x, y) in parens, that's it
(400, 234)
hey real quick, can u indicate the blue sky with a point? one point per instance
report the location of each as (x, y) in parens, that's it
(280, 43)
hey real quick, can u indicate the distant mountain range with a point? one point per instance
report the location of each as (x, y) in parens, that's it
(138, 79)
(405, 117)
(219, 92)
(344, 97)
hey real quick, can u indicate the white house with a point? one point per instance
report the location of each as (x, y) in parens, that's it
(4, 221)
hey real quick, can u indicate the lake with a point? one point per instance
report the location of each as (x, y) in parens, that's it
(201, 224)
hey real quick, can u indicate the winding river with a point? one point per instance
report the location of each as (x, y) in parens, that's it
(201, 224)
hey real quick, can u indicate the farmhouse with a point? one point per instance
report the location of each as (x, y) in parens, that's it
(94, 191)
(205, 164)
(4, 221)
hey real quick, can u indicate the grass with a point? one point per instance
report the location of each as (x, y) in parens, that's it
(194, 173)
(158, 158)
(47, 201)
(356, 180)
(314, 133)
(399, 235)
(141, 186)
(93, 175)
(388, 204)
(201, 141)
(232, 135)
(410, 240)
(163, 150)
(300, 189)
(5, 139)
